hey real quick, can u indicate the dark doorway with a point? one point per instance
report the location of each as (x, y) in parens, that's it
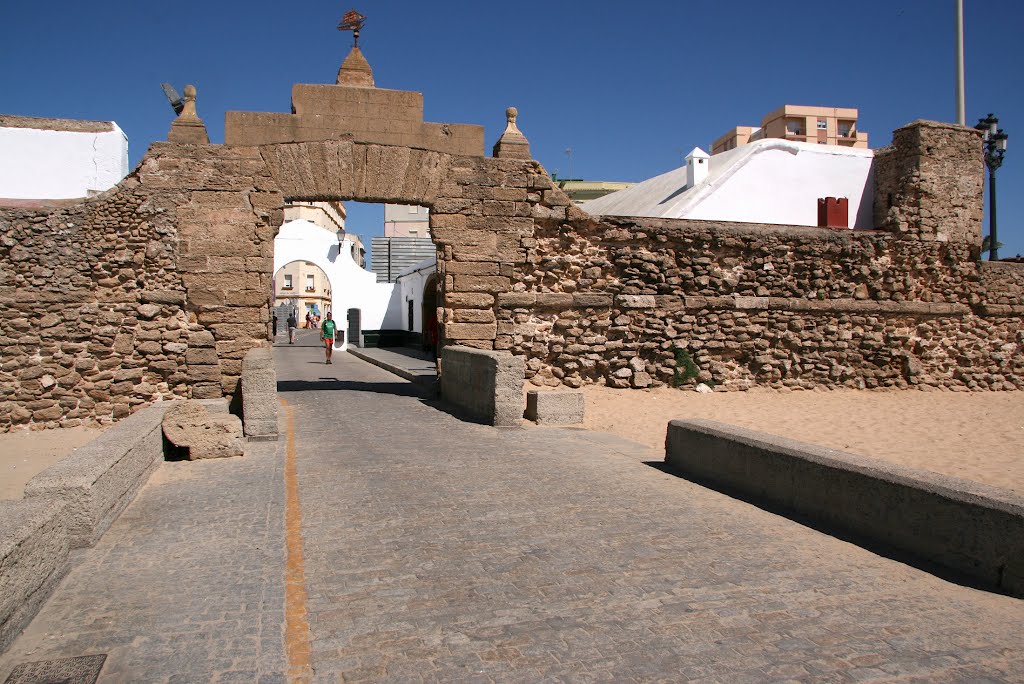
(354, 328)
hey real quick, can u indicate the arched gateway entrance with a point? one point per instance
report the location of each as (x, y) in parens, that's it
(349, 142)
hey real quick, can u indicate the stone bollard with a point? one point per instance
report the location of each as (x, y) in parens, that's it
(259, 394)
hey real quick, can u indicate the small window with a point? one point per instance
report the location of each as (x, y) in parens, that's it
(793, 127)
(310, 283)
(287, 281)
(846, 129)
(822, 124)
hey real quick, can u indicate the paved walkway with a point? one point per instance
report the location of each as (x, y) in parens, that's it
(436, 550)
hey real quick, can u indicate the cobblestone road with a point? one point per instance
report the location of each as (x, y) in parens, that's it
(442, 551)
(436, 550)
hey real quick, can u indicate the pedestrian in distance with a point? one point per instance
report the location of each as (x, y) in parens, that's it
(275, 325)
(293, 323)
(327, 332)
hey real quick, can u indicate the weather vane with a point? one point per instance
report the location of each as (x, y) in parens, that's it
(352, 21)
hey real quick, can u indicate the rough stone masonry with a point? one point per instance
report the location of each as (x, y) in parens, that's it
(159, 287)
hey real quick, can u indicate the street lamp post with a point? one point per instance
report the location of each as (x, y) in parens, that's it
(995, 147)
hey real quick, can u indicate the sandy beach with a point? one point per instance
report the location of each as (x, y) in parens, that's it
(23, 453)
(972, 435)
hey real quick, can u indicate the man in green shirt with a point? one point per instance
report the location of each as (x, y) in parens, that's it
(327, 333)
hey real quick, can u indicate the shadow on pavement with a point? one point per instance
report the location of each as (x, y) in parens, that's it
(868, 544)
(402, 389)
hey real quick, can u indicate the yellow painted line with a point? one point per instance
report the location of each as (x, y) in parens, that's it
(296, 634)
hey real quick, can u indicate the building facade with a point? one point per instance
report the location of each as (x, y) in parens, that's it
(797, 123)
(46, 159)
(406, 220)
(303, 288)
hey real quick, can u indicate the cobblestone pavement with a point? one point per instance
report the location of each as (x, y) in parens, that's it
(436, 550)
(186, 586)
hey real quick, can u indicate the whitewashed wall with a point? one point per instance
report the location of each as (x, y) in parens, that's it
(351, 286)
(48, 164)
(411, 284)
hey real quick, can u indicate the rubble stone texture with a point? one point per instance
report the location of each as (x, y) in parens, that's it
(205, 435)
(158, 288)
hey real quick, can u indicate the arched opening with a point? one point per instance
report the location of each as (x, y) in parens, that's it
(303, 295)
(431, 329)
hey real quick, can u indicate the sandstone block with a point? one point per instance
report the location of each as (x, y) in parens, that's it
(555, 408)
(205, 435)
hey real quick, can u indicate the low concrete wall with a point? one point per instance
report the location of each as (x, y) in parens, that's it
(965, 526)
(485, 385)
(259, 394)
(34, 545)
(104, 475)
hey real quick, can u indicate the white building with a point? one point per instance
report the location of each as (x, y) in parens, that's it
(417, 287)
(358, 302)
(59, 158)
(766, 181)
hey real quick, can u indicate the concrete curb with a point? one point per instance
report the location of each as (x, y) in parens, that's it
(964, 526)
(391, 368)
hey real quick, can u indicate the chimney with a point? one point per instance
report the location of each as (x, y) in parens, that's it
(697, 164)
(833, 212)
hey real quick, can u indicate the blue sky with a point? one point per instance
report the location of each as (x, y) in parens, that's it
(625, 85)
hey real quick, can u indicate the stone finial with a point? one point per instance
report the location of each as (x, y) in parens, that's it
(512, 144)
(188, 127)
(355, 71)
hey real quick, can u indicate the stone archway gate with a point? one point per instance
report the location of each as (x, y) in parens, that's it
(160, 286)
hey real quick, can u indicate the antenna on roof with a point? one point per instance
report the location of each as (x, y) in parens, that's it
(172, 96)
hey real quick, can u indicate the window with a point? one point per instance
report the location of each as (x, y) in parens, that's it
(287, 281)
(310, 282)
(822, 124)
(794, 127)
(846, 129)
(410, 314)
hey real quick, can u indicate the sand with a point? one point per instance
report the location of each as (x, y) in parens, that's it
(972, 435)
(25, 453)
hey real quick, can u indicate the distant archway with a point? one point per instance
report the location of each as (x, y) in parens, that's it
(352, 287)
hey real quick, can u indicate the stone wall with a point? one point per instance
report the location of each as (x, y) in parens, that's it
(91, 309)
(153, 290)
(160, 287)
(646, 302)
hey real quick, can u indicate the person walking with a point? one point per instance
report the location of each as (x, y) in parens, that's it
(293, 323)
(275, 325)
(327, 332)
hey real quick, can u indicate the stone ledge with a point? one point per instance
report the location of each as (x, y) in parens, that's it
(102, 477)
(965, 526)
(34, 548)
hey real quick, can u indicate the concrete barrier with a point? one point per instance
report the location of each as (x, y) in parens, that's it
(485, 385)
(34, 546)
(259, 395)
(968, 527)
(104, 475)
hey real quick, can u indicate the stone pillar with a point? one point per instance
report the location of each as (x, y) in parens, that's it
(188, 127)
(259, 394)
(929, 183)
(512, 144)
